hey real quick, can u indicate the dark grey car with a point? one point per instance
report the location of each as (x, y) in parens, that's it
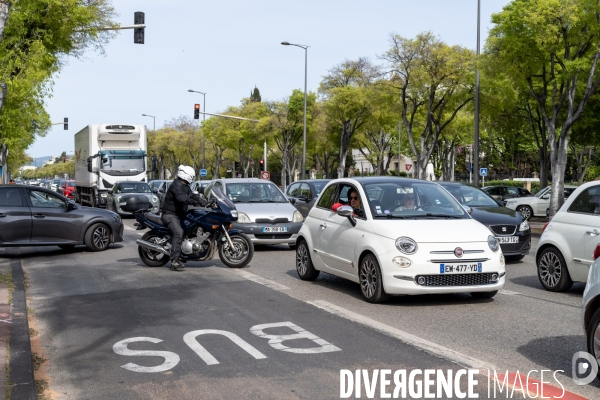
(159, 188)
(35, 216)
(303, 194)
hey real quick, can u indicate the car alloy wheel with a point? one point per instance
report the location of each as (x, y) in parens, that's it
(371, 283)
(525, 211)
(593, 336)
(552, 271)
(100, 237)
(304, 266)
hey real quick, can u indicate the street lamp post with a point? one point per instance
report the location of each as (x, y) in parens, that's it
(476, 139)
(305, 78)
(203, 119)
(153, 118)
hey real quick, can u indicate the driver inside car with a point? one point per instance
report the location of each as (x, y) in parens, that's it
(408, 202)
(354, 202)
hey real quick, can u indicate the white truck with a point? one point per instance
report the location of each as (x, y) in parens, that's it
(106, 154)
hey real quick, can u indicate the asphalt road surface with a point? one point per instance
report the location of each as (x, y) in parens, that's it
(113, 328)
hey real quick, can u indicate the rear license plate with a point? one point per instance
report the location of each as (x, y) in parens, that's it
(274, 229)
(467, 268)
(508, 239)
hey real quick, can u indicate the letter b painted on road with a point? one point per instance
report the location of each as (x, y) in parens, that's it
(276, 341)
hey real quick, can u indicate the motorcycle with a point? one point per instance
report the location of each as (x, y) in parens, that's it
(205, 230)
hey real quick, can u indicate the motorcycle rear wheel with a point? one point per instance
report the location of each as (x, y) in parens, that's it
(240, 255)
(149, 257)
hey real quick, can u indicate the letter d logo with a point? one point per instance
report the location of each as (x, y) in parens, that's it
(579, 368)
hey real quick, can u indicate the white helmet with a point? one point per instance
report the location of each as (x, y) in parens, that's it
(186, 173)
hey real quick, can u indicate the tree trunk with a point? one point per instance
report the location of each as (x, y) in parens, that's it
(344, 145)
(558, 156)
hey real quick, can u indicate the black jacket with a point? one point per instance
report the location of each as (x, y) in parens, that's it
(178, 197)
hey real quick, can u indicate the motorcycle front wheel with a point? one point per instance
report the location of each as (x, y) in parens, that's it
(240, 255)
(149, 257)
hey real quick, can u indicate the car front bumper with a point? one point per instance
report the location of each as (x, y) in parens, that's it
(256, 235)
(522, 247)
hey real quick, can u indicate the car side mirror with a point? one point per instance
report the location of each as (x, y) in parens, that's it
(468, 209)
(348, 212)
(153, 164)
(545, 197)
(71, 205)
(200, 190)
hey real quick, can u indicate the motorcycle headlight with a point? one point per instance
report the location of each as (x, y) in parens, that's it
(524, 226)
(493, 243)
(234, 213)
(297, 217)
(406, 245)
(243, 218)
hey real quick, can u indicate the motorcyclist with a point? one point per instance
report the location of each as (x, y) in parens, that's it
(177, 199)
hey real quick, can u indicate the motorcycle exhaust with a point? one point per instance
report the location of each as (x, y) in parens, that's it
(152, 246)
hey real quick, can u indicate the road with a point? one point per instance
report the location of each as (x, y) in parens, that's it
(205, 336)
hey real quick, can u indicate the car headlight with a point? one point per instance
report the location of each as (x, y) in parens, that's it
(401, 262)
(406, 245)
(511, 203)
(524, 226)
(297, 217)
(493, 243)
(243, 218)
(154, 199)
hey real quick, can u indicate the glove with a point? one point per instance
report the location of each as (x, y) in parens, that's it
(211, 203)
(200, 203)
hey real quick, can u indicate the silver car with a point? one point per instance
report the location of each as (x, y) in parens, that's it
(127, 188)
(264, 213)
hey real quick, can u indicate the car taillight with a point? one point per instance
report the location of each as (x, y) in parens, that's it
(597, 251)
(545, 225)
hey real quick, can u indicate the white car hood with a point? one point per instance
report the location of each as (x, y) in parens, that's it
(433, 230)
(522, 200)
(267, 210)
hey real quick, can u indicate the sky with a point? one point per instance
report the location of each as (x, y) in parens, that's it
(225, 48)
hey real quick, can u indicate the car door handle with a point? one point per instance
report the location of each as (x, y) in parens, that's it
(593, 232)
(39, 215)
(323, 225)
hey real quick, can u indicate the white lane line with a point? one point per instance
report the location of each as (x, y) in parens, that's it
(508, 292)
(430, 347)
(258, 279)
(135, 230)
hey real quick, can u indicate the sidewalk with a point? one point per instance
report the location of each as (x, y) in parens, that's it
(4, 325)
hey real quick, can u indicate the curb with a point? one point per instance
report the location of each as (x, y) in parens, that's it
(21, 365)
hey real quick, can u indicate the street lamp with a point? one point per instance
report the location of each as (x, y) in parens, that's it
(203, 119)
(153, 117)
(476, 138)
(305, 76)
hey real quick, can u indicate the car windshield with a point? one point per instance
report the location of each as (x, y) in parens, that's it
(250, 192)
(470, 196)
(319, 186)
(133, 187)
(412, 200)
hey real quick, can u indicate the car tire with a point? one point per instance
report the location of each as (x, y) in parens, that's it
(304, 266)
(484, 295)
(525, 211)
(552, 270)
(292, 246)
(518, 257)
(370, 279)
(97, 237)
(593, 329)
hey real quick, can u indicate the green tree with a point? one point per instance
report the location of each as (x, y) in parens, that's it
(552, 46)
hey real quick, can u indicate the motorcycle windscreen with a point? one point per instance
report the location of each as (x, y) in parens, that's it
(221, 198)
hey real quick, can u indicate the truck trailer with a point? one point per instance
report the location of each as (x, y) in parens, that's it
(104, 155)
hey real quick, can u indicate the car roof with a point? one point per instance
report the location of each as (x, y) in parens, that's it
(243, 180)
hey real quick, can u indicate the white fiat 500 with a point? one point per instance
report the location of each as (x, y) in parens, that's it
(398, 236)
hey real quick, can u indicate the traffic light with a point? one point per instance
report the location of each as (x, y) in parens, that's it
(196, 111)
(66, 124)
(262, 165)
(138, 33)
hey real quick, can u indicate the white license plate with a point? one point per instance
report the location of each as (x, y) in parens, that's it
(466, 268)
(508, 239)
(274, 229)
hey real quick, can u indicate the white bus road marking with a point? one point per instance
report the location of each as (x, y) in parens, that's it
(171, 359)
(430, 347)
(190, 339)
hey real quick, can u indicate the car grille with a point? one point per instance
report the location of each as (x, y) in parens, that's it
(515, 247)
(272, 236)
(503, 229)
(271, 221)
(457, 279)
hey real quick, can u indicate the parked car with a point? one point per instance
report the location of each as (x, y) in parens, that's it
(509, 227)
(35, 216)
(304, 194)
(264, 213)
(565, 249)
(159, 188)
(198, 184)
(67, 188)
(126, 188)
(55, 184)
(389, 247)
(504, 193)
(590, 308)
(536, 205)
